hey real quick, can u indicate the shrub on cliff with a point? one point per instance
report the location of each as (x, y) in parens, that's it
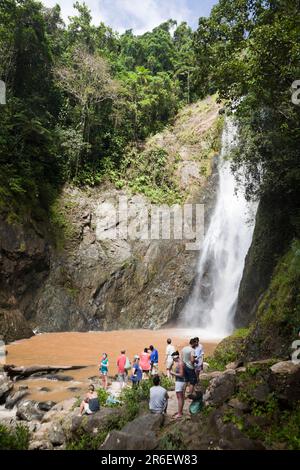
(229, 350)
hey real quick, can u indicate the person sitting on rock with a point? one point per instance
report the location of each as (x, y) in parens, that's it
(158, 403)
(91, 402)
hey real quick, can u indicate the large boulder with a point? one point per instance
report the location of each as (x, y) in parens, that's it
(285, 381)
(220, 389)
(46, 405)
(28, 410)
(95, 423)
(119, 440)
(139, 434)
(145, 423)
(57, 435)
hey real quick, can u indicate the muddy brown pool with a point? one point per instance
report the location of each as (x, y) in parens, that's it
(86, 349)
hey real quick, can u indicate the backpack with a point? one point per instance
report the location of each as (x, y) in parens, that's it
(197, 405)
(127, 364)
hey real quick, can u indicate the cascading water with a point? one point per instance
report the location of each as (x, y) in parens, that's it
(212, 303)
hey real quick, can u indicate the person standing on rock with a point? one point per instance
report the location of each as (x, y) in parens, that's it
(153, 360)
(137, 373)
(180, 383)
(158, 402)
(121, 363)
(189, 359)
(145, 363)
(104, 370)
(199, 357)
(169, 359)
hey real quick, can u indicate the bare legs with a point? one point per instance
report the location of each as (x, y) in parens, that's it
(82, 407)
(104, 381)
(180, 399)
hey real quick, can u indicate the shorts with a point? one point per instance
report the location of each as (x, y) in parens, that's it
(87, 409)
(190, 375)
(103, 372)
(154, 369)
(169, 362)
(180, 386)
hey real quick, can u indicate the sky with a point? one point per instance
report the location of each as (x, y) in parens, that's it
(139, 15)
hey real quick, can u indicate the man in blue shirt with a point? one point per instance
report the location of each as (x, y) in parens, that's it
(153, 360)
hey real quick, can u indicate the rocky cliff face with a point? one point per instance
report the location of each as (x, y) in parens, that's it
(269, 292)
(88, 281)
(24, 266)
(272, 236)
(101, 284)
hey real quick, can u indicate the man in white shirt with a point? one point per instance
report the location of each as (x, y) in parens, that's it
(199, 357)
(169, 359)
(158, 397)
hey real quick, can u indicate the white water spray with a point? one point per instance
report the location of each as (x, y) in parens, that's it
(212, 303)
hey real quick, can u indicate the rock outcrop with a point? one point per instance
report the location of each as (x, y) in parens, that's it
(24, 265)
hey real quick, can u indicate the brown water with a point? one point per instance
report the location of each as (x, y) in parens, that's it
(86, 349)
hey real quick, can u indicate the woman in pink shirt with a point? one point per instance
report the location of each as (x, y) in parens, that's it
(145, 363)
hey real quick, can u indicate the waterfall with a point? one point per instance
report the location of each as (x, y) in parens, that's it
(212, 302)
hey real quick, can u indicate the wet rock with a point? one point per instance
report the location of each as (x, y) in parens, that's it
(46, 405)
(44, 389)
(220, 389)
(284, 381)
(59, 377)
(29, 411)
(5, 387)
(13, 399)
(23, 387)
(74, 389)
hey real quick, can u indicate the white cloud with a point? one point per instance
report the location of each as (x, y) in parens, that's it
(139, 15)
